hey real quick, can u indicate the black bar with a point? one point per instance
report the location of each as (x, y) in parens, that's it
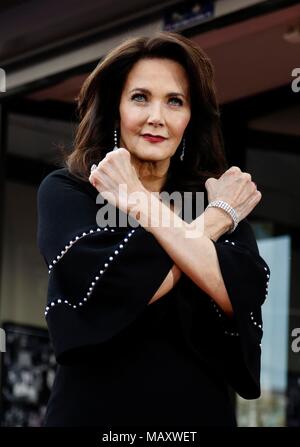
(3, 144)
(3, 141)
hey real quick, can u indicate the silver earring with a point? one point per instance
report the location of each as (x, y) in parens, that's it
(183, 148)
(115, 139)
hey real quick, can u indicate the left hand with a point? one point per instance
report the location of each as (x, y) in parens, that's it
(115, 178)
(236, 188)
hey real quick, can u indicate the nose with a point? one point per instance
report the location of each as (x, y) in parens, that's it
(156, 115)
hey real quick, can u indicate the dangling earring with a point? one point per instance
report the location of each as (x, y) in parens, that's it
(115, 139)
(183, 148)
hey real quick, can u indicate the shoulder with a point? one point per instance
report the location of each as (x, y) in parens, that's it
(66, 206)
(61, 181)
(58, 177)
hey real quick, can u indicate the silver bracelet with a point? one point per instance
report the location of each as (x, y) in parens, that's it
(226, 207)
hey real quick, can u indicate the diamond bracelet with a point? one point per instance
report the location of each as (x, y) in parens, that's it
(226, 207)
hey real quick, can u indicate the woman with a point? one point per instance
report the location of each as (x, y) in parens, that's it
(151, 324)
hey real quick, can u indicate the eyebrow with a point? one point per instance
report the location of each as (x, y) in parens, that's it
(145, 90)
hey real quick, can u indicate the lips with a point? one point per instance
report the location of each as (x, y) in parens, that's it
(153, 138)
(151, 135)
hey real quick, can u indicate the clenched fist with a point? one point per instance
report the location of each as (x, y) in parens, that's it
(236, 188)
(116, 179)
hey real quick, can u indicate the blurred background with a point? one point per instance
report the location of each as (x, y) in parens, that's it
(47, 48)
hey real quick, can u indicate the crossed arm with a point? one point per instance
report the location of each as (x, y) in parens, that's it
(196, 256)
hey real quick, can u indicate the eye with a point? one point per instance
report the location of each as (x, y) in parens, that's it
(178, 101)
(139, 97)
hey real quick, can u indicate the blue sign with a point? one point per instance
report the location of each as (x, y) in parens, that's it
(188, 13)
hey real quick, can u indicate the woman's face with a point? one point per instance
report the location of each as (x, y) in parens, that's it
(154, 109)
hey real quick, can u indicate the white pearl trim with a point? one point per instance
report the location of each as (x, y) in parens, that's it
(267, 281)
(73, 241)
(255, 323)
(93, 283)
(230, 242)
(231, 333)
(265, 268)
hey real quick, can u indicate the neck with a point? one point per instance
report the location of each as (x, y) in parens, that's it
(152, 174)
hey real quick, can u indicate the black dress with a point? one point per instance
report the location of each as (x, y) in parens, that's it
(121, 361)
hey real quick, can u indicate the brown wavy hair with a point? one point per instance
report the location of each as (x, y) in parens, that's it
(98, 111)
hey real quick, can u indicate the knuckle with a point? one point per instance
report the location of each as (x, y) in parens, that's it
(108, 156)
(209, 181)
(126, 153)
(104, 166)
(93, 179)
(253, 184)
(247, 176)
(234, 169)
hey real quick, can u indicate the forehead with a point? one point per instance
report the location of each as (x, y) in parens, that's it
(166, 73)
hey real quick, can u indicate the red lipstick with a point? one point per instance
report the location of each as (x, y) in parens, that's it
(153, 138)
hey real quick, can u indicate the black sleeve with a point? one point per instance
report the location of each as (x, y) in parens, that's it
(100, 278)
(233, 345)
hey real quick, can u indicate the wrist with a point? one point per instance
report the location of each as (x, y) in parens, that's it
(216, 222)
(139, 206)
(152, 213)
(229, 211)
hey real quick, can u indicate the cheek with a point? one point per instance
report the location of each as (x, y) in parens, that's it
(179, 125)
(131, 119)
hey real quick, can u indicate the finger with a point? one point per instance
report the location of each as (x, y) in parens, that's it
(209, 182)
(255, 199)
(93, 167)
(233, 169)
(253, 188)
(247, 176)
(259, 196)
(106, 166)
(124, 151)
(92, 180)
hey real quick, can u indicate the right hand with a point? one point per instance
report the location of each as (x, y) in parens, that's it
(237, 189)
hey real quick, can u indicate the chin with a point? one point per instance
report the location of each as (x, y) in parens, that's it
(156, 157)
(154, 154)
